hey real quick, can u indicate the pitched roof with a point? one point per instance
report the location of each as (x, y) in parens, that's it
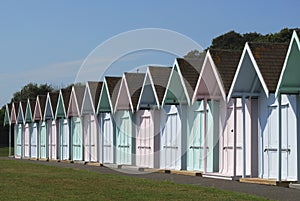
(95, 90)
(113, 85)
(54, 99)
(190, 70)
(270, 59)
(32, 103)
(66, 97)
(9, 108)
(42, 100)
(134, 83)
(160, 77)
(79, 92)
(226, 62)
(23, 105)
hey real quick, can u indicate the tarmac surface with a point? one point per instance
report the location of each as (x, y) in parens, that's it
(270, 192)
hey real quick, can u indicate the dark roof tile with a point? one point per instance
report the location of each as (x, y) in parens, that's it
(160, 77)
(226, 62)
(269, 58)
(134, 83)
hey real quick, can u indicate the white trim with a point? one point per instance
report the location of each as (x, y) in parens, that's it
(37, 104)
(293, 39)
(209, 59)
(7, 112)
(175, 65)
(73, 94)
(108, 95)
(87, 89)
(50, 104)
(148, 76)
(247, 50)
(119, 93)
(63, 103)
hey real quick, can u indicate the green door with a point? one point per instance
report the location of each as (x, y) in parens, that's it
(43, 141)
(19, 140)
(195, 139)
(124, 134)
(77, 139)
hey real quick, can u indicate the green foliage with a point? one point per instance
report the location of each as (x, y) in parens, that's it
(233, 40)
(31, 91)
(194, 54)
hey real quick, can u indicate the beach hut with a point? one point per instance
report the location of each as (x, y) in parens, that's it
(215, 132)
(38, 117)
(289, 85)
(178, 97)
(51, 124)
(105, 109)
(32, 127)
(63, 124)
(148, 117)
(255, 82)
(125, 108)
(17, 132)
(7, 121)
(90, 121)
(23, 131)
(76, 131)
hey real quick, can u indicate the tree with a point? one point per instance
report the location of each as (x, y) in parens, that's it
(194, 54)
(229, 40)
(31, 91)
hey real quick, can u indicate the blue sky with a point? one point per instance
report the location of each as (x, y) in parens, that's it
(47, 41)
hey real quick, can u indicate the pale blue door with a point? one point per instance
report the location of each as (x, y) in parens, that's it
(34, 141)
(124, 140)
(19, 140)
(43, 140)
(196, 143)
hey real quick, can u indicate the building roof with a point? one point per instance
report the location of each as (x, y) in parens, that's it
(95, 90)
(79, 92)
(54, 99)
(190, 70)
(270, 59)
(226, 62)
(42, 100)
(160, 77)
(66, 93)
(134, 83)
(113, 85)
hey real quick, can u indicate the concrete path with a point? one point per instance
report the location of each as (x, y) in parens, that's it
(270, 192)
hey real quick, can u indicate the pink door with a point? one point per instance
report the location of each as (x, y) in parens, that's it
(145, 141)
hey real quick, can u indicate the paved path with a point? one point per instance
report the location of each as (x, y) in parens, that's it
(271, 192)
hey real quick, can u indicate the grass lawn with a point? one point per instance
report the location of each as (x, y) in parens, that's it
(27, 181)
(4, 151)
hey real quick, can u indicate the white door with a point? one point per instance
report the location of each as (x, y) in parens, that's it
(94, 139)
(34, 141)
(65, 140)
(145, 142)
(108, 145)
(239, 140)
(171, 140)
(229, 143)
(53, 141)
(27, 141)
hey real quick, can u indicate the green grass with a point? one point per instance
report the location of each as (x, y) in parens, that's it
(27, 181)
(4, 151)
